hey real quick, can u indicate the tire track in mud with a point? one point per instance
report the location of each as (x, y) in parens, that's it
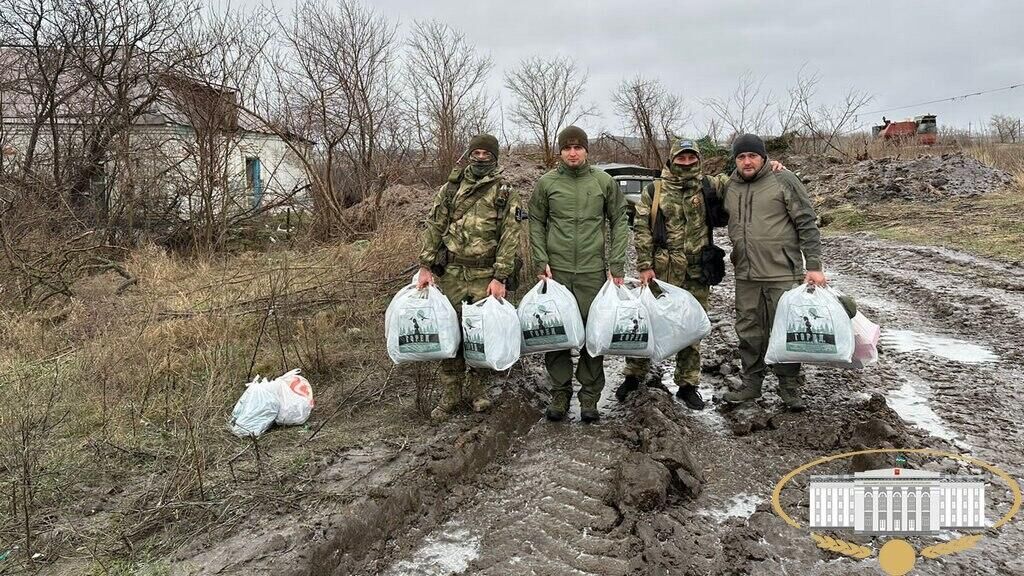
(545, 511)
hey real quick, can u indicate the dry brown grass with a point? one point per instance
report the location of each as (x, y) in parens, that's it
(120, 402)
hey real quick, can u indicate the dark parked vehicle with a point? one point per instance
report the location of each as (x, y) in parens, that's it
(631, 180)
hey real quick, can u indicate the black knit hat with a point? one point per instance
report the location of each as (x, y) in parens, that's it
(748, 143)
(572, 135)
(484, 142)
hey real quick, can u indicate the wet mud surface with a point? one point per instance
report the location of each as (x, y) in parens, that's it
(655, 488)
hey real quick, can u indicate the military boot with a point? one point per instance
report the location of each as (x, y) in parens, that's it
(558, 407)
(446, 405)
(751, 391)
(789, 392)
(589, 414)
(690, 396)
(476, 390)
(628, 386)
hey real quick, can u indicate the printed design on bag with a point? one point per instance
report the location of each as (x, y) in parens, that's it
(810, 328)
(631, 329)
(543, 324)
(300, 386)
(473, 343)
(417, 331)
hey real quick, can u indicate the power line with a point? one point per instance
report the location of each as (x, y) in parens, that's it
(950, 99)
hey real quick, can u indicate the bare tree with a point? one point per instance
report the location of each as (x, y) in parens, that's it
(338, 67)
(652, 113)
(747, 109)
(446, 78)
(1006, 128)
(547, 97)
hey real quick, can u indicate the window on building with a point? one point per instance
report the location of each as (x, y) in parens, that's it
(254, 181)
(883, 511)
(897, 511)
(869, 513)
(926, 512)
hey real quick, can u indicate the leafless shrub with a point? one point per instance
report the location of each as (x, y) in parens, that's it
(652, 113)
(448, 103)
(547, 97)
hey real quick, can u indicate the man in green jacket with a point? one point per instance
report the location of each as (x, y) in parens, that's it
(775, 246)
(571, 208)
(471, 238)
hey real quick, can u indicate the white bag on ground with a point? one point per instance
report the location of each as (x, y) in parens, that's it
(421, 325)
(618, 323)
(257, 409)
(296, 397)
(550, 319)
(490, 334)
(677, 319)
(811, 326)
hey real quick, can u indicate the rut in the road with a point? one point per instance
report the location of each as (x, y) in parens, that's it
(552, 516)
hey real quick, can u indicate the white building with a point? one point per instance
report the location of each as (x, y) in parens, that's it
(191, 135)
(897, 501)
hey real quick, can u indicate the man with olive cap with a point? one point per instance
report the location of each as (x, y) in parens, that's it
(571, 209)
(469, 249)
(668, 247)
(776, 245)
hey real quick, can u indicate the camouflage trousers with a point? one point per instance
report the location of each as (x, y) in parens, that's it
(687, 371)
(462, 285)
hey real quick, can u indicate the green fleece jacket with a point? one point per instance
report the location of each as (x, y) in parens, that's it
(570, 211)
(772, 227)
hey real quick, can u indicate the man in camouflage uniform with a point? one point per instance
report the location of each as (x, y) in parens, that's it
(571, 210)
(676, 258)
(475, 220)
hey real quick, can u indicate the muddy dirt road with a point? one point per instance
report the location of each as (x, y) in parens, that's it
(949, 378)
(657, 489)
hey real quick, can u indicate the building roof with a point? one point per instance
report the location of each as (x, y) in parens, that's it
(895, 474)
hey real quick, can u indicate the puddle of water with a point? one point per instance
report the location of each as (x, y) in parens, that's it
(742, 505)
(443, 553)
(911, 403)
(949, 348)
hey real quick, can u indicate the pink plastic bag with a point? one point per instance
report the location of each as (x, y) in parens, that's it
(866, 335)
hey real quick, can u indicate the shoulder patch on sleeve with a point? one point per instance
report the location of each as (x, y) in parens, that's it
(521, 214)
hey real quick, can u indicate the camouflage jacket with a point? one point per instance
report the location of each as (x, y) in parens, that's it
(682, 203)
(479, 224)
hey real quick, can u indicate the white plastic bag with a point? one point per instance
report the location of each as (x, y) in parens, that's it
(811, 326)
(550, 319)
(618, 323)
(490, 334)
(257, 409)
(677, 319)
(421, 325)
(296, 397)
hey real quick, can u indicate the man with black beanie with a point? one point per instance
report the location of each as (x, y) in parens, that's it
(776, 245)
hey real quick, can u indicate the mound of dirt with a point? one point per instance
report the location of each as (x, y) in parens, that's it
(411, 202)
(924, 178)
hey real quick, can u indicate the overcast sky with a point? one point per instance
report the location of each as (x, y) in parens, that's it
(901, 52)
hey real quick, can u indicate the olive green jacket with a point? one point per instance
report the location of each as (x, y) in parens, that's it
(570, 211)
(772, 227)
